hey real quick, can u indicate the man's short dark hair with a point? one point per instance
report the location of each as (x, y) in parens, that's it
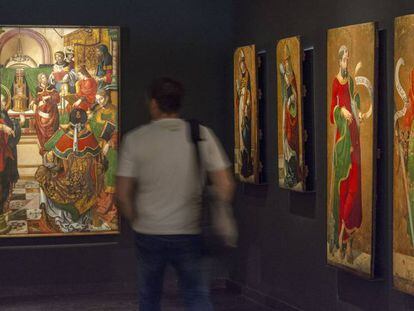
(168, 93)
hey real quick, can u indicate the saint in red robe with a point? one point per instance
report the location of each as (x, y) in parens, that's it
(347, 170)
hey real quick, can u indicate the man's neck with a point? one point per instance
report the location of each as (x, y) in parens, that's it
(166, 116)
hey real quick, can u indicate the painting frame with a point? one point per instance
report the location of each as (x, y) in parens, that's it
(247, 55)
(118, 34)
(365, 172)
(402, 226)
(289, 50)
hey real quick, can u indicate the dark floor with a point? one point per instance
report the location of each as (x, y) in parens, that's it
(223, 301)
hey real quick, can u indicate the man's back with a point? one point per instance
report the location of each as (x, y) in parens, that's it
(161, 157)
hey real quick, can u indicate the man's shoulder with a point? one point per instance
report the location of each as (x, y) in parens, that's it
(138, 131)
(207, 134)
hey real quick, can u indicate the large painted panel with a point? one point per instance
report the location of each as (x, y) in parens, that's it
(58, 130)
(351, 67)
(403, 208)
(247, 164)
(292, 173)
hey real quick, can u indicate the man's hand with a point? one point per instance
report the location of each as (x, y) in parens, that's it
(125, 195)
(346, 114)
(224, 222)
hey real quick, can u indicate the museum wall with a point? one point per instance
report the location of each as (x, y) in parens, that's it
(282, 256)
(188, 40)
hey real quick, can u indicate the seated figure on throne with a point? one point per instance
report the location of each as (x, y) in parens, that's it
(9, 138)
(73, 176)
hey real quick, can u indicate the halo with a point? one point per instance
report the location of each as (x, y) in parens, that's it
(8, 100)
(343, 37)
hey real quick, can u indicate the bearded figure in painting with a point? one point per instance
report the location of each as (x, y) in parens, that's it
(244, 101)
(290, 121)
(345, 115)
(104, 68)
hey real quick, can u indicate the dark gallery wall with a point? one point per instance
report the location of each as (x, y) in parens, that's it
(281, 259)
(189, 40)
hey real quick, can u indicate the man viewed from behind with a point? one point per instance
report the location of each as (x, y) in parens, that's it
(159, 191)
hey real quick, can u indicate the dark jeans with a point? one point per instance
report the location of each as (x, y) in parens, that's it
(184, 253)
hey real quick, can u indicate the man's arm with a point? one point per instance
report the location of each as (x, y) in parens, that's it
(223, 184)
(224, 222)
(125, 195)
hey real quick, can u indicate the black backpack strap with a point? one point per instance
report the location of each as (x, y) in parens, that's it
(195, 138)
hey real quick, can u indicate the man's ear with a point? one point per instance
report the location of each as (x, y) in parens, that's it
(153, 107)
(153, 104)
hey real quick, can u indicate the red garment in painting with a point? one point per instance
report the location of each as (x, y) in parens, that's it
(46, 114)
(86, 91)
(292, 126)
(87, 144)
(408, 118)
(350, 209)
(59, 75)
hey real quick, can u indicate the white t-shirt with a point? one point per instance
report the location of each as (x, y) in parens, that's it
(161, 156)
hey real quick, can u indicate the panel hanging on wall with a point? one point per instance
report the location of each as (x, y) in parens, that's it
(247, 158)
(403, 227)
(351, 69)
(292, 170)
(58, 130)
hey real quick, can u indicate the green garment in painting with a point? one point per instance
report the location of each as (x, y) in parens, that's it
(341, 165)
(98, 122)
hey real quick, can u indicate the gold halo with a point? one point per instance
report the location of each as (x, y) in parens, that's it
(8, 99)
(344, 37)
